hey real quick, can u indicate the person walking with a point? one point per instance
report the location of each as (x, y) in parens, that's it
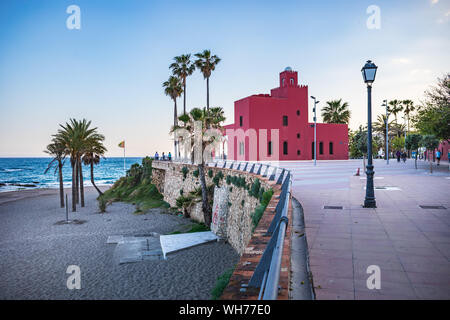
(169, 156)
(398, 154)
(404, 156)
(438, 156)
(163, 157)
(156, 155)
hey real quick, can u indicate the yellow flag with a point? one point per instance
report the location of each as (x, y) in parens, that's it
(122, 144)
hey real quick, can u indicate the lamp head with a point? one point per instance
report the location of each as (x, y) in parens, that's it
(369, 71)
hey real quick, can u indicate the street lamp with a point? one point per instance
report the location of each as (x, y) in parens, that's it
(369, 71)
(315, 128)
(385, 104)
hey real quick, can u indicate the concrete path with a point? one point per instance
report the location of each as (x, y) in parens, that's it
(410, 244)
(175, 242)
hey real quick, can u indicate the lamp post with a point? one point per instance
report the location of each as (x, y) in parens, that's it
(369, 71)
(385, 104)
(315, 128)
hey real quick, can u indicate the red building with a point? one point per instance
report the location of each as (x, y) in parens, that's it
(282, 113)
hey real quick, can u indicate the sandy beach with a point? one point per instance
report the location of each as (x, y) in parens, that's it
(35, 252)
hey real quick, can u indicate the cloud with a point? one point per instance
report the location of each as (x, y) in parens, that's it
(434, 1)
(401, 61)
(420, 72)
(445, 18)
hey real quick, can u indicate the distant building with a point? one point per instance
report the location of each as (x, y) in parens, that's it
(285, 109)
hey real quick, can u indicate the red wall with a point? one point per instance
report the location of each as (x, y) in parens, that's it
(267, 111)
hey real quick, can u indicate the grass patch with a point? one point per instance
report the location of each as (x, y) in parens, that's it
(136, 188)
(259, 211)
(221, 284)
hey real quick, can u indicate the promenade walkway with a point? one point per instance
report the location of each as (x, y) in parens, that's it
(409, 243)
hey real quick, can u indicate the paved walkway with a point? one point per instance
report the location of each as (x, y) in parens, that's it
(411, 245)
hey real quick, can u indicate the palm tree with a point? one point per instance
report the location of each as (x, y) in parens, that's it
(210, 119)
(408, 107)
(92, 156)
(396, 129)
(57, 151)
(77, 136)
(336, 112)
(182, 68)
(380, 127)
(395, 106)
(173, 89)
(206, 64)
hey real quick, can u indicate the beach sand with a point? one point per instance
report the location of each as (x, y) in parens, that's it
(35, 253)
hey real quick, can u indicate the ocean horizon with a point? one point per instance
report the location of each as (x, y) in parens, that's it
(20, 173)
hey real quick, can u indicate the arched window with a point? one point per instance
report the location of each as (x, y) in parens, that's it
(331, 147)
(285, 147)
(292, 81)
(320, 147)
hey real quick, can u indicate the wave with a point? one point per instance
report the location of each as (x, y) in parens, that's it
(11, 170)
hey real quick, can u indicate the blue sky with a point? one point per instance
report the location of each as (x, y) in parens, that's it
(111, 70)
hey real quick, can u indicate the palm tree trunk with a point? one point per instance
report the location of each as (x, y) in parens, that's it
(61, 185)
(205, 205)
(431, 163)
(92, 179)
(184, 96)
(415, 158)
(175, 113)
(77, 182)
(207, 93)
(74, 189)
(80, 168)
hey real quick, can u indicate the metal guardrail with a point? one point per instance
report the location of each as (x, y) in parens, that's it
(266, 276)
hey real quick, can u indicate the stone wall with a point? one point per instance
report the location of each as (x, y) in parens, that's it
(250, 245)
(169, 177)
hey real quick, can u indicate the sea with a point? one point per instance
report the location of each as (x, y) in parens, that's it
(28, 173)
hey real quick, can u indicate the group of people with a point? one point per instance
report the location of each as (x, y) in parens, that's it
(401, 155)
(164, 157)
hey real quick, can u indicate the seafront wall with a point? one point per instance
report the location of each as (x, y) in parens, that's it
(175, 179)
(250, 242)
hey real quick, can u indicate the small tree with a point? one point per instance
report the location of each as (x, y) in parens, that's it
(430, 142)
(398, 143)
(412, 142)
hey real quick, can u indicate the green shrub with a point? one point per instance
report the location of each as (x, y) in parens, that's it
(266, 197)
(184, 171)
(147, 167)
(259, 211)
(196, 173)
(135, 188)
(255, 188)
(221, 284)
(102, 203)
(210, 173)
(228, 179)
(217, 178)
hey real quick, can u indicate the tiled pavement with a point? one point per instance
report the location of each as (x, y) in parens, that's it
(411, 245)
